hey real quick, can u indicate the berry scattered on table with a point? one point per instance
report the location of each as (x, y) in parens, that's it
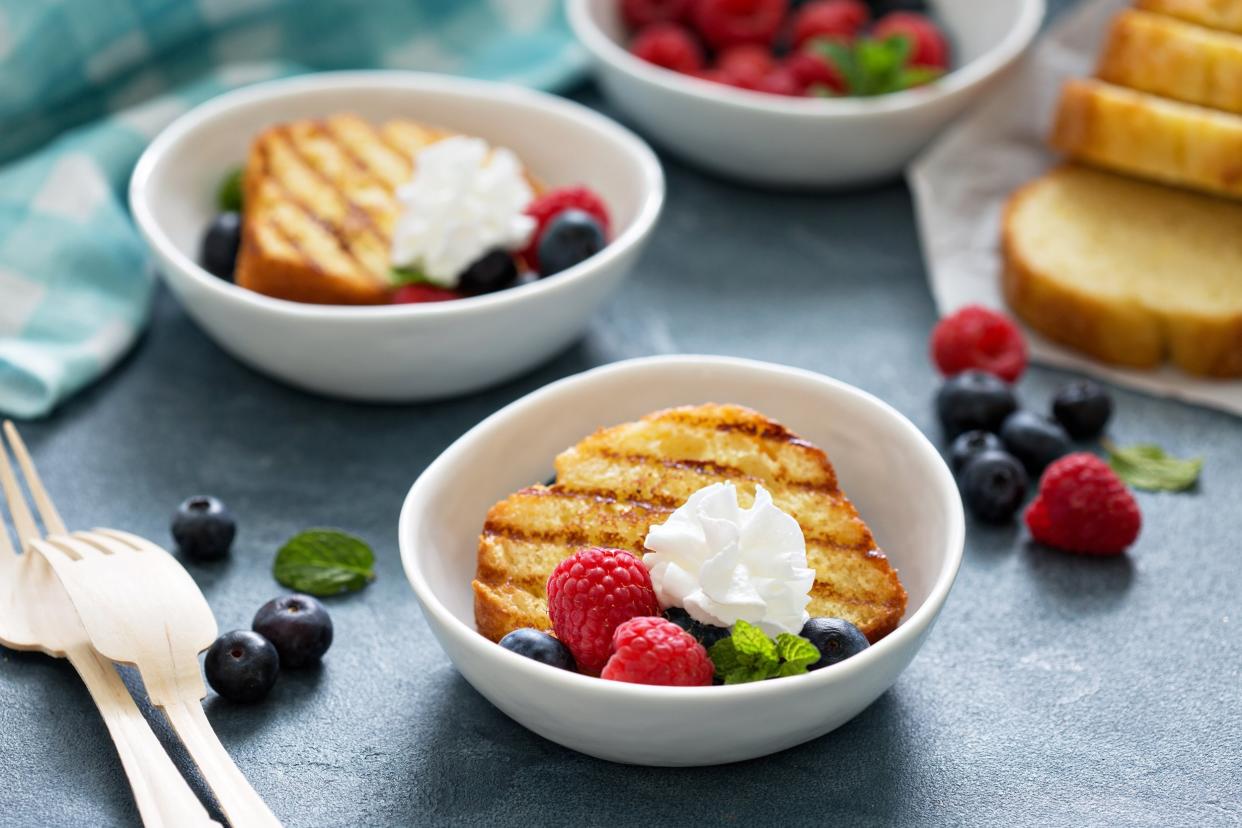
(993, 485)
(221, 242)
(299, 628)
(725, 23)
(493, 271)
(590, 594)
(1083, 408)
(835, 638)
(928, 46)
(572, 237)
(538, 645)
(554, 202)
(974, 401)
(669, 45)
(1034, 440)
(420, 293)
(705, 634)
(242, 666)
(203, 528)
(968, 446)
(654, 650)
(837, 19)
(640, 13)
(1082, 506)
(979, 338)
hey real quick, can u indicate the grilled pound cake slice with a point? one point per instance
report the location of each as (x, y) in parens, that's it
(1149, 136)
(1127, 271)
(1217, 14)
(1164, 56)
(614, 485)
(320, 205)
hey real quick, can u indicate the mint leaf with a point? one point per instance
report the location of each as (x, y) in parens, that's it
(407, 276)
(1147, 466)
(797, 654)
(324, 562)
(749, 655)
(841, 56)
(724, 655)
(752, 641)
(229, 195)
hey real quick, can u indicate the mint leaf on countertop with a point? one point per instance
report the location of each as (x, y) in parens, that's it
(324, 562)
(1147, 466)
(229, 196)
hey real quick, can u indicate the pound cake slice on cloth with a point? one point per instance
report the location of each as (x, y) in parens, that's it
(614, 485)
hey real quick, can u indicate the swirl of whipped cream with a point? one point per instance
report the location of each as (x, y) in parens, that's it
(466, 199)
(723, 563)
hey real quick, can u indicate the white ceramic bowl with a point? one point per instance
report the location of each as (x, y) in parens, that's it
(887, 467)
(396, 352)
(804, 142)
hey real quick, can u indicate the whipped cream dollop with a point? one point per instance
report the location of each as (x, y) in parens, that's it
(466, 199)
(723, 563)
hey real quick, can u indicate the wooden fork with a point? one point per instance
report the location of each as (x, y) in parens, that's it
(36, 614)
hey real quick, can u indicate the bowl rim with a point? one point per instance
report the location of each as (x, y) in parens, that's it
(905, 635)
(1030, 17)
(652, 188)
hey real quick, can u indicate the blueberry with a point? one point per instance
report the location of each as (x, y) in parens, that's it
(203, 528)
(835, 638)
(573, 236)
(970, 445)
(994, 486)
(974, 400)
(242, 666)
(219, 251)
(492, 272)
(299, 628)
(540, 646)
(1083, 408)
(1034, 440)
(706, 634)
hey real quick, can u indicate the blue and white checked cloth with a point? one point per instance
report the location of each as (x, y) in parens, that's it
(85, 85)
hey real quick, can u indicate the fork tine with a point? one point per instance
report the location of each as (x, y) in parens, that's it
(136, 543)
(23, 521)
(104, 543)
(47, 510)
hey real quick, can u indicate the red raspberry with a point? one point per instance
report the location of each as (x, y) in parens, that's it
(590, 594)
(669, 45)
(725, 23)
(640, 13)
(977, 337)
(780, 81)
(839, 19)
(657, 651)
(810, 70)
(747, 63)
(928, 45)
(549, 205)
(416, 294)
(1083, 507)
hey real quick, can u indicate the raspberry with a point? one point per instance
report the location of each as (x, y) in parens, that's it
(725, 23)
(840, 19)
(928, 45)
(590, 594)
(747, 63)
(657, 651)
(417, 294)
(978, 338)
(640, 13)
(780, 81)
(551, 204)
(811, 70)
(668, 45)
(1083, 507)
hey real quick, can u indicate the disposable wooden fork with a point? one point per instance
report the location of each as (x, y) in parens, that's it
(36, 614)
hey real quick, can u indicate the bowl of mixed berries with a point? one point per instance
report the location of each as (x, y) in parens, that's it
(800, 94)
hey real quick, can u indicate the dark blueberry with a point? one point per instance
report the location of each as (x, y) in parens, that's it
(970, 445)
(993, 486)
(706, 634)
(242, 666)
(203, 528)
(299, 628)
(1034, 440)
(492, 272)
(1083, 408)
(974, 401)
(573, 236)
(541, 647)
(220, 243)
(835, 638)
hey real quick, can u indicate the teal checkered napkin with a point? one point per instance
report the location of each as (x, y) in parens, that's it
(85, 85)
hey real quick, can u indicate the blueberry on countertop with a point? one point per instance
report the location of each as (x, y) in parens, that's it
(835, 638)
(974, 401)
(1034, 440)
(706, 634)
(993, 486)
(491, 272)
(203, 528)
(1083, 407)
(969, 445)
(572, 237)
(242, 666)
(299, 628)
(540, 646)
(220, 243)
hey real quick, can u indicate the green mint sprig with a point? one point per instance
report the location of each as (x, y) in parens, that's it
(229, 195)
(1147, 466)
(873, 66)
(749, 655)
(401, 276)
(324, 562)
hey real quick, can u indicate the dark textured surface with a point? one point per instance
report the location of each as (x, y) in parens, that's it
(1054, 690)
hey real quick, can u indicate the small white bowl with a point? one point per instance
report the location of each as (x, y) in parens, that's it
(396, 352)
(804, 142)
(892, 473)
